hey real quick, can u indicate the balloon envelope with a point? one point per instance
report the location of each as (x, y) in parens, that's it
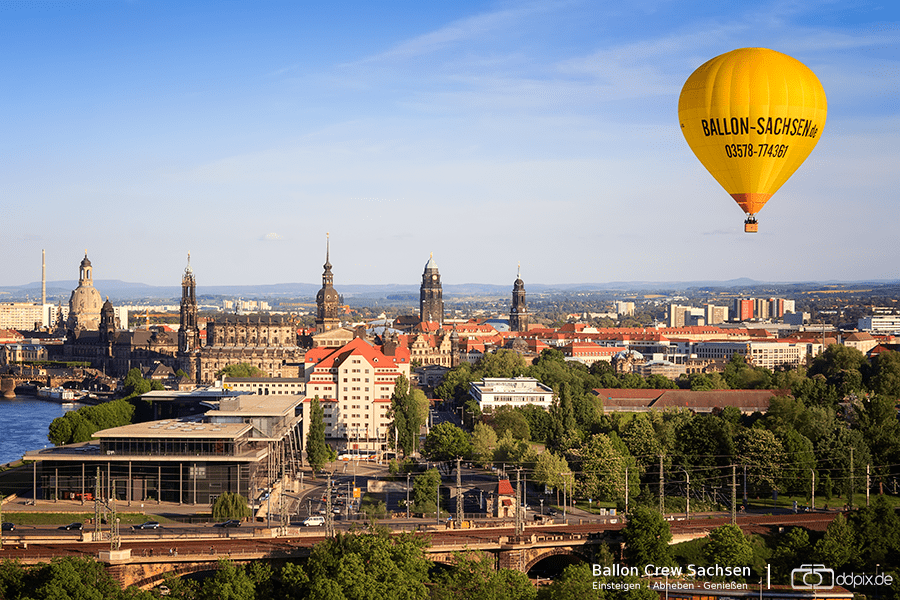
(752, 116)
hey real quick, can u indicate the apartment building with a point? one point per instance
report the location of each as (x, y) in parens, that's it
(354, 384)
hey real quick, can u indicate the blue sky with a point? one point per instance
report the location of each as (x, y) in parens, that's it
(488, 133)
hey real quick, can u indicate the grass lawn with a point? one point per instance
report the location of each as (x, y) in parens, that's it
(47, 518)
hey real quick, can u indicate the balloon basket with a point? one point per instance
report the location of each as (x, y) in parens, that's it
(751, 226)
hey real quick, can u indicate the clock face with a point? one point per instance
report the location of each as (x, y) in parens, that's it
(434, 277)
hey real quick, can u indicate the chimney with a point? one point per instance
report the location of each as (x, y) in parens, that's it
(43, 277)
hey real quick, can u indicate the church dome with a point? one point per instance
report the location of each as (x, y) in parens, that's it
(85, 302)
(84, 307)
(327, 295)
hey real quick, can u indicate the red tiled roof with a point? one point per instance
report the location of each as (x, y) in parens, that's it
(504, 488)
(357, 347)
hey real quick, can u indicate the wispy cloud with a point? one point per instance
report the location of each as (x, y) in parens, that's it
(463, 30)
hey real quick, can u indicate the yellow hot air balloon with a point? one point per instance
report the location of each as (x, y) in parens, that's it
(752, 116)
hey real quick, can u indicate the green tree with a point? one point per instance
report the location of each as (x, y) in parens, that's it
(842, 368)
(362, 566)
(538, 422)
(564, 433)
(728, 545)
(876, 420)
(837, 547)
(508, 418)
(240, 370)
(703, 442)
(80, 425)
(792, 549)
(602, 463)
(73, 578)
(551, 470)
(425, 489)
(318, 453)
(647, 537)
(484, 442)
(885, 377)
(833, 453)
(13, 584)
(796, 475)
(877, 529)
(230, 506)
(502, 363)
(229, 583)
(764, 456)
(472, 575)
(640, 437)
(409, 408)
(446, 441)
(135, 384)
(512, 451)
(455, 385)
(576, 581)
(707, 381)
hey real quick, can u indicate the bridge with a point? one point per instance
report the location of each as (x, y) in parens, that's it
(10, 383)
(146, 559)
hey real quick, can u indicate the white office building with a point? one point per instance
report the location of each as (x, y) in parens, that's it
(492, 392)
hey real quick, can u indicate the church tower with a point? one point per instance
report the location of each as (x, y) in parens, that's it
(108, 325)
(189, 331)
(328, 301)
(518, 312)
(431, 298)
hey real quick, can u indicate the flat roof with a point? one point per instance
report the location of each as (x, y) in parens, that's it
(176, 428)
(249, 406)
(198, 393)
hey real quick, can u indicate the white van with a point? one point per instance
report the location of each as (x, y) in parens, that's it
(314, 521)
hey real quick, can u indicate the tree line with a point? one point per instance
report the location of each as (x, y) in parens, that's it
(357, 565)
(829, 427)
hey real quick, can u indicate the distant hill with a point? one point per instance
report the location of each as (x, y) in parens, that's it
(118, 290)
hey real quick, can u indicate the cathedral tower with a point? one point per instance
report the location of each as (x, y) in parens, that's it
(189, 331)
(518, 312)
(328, 301)
(431, 298)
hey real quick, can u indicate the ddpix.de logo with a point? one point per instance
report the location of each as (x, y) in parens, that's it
(812, 577)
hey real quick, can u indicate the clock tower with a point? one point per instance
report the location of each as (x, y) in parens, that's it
(431, 299)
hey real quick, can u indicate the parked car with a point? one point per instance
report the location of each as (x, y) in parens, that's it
(73, 526)
(147, 525)
(7, 526)
(314, 521)
(229, 523)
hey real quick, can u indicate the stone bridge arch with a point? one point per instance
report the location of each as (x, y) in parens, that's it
(577, 553)
(148, 575)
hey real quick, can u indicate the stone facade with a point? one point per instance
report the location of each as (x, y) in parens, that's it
(267, 342)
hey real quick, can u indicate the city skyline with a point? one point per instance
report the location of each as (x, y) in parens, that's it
(488, 133)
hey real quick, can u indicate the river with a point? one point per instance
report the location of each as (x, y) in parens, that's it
(25, 421)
